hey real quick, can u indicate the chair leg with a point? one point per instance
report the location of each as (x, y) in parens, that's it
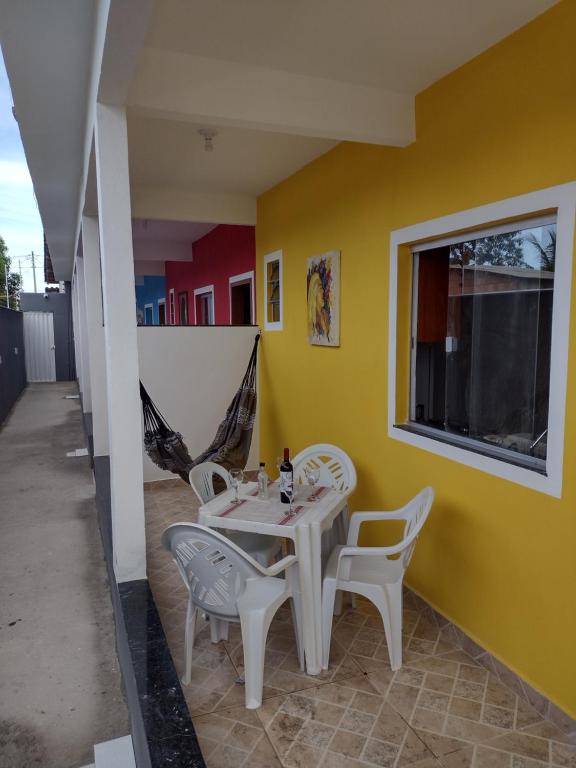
(189, 641)
(338, 600)
(394, 594)
(254, 631)
(218, 629)
(296, 607)
(328, 596)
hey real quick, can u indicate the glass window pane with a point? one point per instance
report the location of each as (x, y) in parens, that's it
(482, 369)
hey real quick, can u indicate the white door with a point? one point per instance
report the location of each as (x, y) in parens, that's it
(39, 346)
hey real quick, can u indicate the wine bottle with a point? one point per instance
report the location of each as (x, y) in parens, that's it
(286, 479)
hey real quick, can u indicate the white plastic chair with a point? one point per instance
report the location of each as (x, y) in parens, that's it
(228, 585)
(262, 548)
(336, 471)
(370, 571)
(336, 467)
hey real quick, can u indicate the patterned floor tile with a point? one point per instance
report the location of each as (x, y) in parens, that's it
(441, 709)
(234, 738)
(341, 723)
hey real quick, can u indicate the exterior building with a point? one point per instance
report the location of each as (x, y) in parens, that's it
(151, 299)
(217, 287)
(390, 135)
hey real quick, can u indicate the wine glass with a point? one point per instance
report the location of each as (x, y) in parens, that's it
(312, 476)
(279, 462)
(236, 480)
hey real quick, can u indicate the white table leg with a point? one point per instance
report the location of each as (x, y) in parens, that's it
(310, 610)
(316, 588)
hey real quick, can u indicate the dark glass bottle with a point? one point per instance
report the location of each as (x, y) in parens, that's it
(286, 479)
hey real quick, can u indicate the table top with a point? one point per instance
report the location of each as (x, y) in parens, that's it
(311, 505)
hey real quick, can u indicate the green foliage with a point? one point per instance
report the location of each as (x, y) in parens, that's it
(546, 252)
(14, 279)
(504, 250)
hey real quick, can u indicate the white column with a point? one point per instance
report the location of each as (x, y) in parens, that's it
(76, 329)
(124, 410)
(83, 337)
(95, 333)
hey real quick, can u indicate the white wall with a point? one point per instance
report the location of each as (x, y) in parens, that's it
(192, 374)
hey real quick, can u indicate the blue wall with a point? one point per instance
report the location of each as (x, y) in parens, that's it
(150, 289)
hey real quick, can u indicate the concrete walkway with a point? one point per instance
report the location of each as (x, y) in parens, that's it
(60, 690)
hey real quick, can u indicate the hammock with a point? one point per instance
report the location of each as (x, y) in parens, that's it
(230, 447)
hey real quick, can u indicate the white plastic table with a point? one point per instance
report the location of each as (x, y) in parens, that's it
(311, 518)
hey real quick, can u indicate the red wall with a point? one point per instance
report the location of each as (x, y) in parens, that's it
(226, 251)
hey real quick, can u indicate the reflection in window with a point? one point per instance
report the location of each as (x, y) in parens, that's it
(483, 326)
(273, 291)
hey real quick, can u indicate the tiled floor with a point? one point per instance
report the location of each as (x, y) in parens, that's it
(441, 709)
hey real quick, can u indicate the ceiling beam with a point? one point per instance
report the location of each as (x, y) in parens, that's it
(203, 90)
(125, 33)
(170, 204)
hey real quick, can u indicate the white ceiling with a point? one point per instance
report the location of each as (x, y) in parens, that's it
(171, 231)
(282, 80)
(401, 45)
(243, 162)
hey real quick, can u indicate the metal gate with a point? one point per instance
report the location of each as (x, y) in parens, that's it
(39, 346)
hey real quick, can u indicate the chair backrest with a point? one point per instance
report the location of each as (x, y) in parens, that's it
(202, 479)
(336, 467)
(415, 514)
(213, 568)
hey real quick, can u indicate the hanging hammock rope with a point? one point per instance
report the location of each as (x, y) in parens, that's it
(231, 445)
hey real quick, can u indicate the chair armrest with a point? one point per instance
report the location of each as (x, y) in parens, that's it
(371, 551)
(276, 568)
(358, 518)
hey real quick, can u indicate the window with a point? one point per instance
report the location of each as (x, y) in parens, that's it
(148, 314)
(161, 311)
(183, 307)
(478, 358)
(242, 299)
(273, 309)
(172, 307)
(482, 332)
(204, 305)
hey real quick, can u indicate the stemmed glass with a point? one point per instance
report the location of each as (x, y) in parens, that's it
(236, 480)
(312, 476)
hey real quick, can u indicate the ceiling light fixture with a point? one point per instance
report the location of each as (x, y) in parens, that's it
(208, 134)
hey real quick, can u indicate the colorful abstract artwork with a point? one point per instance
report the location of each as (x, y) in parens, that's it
(323, 292)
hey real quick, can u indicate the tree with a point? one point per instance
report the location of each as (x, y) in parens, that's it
(546, 252)
(14, 280)
(503, 250)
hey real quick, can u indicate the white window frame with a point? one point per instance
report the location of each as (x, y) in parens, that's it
(277, 325)
(160, 302)
(245, 277)
(148, 306)
(199, 292)
(562, 200)
(171, 307)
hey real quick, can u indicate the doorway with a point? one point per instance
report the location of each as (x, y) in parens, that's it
(161, 311)
(183, 307)
(39, 348)
(242, 299)
(204, 305)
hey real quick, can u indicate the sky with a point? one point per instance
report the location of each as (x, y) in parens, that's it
(20, 223)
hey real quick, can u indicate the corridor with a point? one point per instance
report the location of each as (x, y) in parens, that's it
(60, 688)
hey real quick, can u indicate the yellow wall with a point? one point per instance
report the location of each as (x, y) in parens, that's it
(496, 558)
